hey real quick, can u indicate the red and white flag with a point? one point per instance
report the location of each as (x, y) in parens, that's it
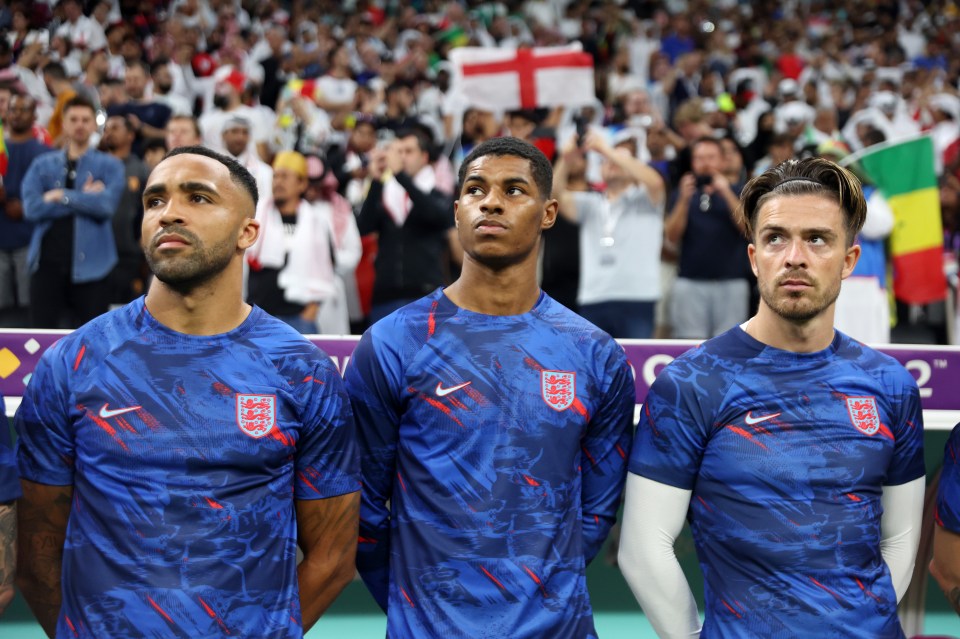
(507, 79)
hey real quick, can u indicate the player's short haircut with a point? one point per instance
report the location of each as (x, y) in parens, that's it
(810, 176)
(238, 173)
(540, 166)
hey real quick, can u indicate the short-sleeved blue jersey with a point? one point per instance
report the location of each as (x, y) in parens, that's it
(501, 444)
(9, 483)
(948, 496)
(185, 454)
(786, 454)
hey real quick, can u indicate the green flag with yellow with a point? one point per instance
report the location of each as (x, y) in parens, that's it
(904, 172)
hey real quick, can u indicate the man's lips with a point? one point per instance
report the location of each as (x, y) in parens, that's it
(491, 226)
(170, 240)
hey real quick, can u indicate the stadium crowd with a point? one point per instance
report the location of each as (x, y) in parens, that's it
(348, 116)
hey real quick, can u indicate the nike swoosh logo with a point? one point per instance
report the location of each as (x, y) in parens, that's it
(107, 413)
(751, 420)
(443, 392)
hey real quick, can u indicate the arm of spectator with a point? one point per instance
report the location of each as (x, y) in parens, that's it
(38, 204)
(880, 220)
(98, 197)
(900, 530)
(327, 533)
(649, 177)
(568, 203)
(676, 222)
(721, 186)
(347, 248)
(372, 210)
(432, 209)
(653, 516)
(143, 129)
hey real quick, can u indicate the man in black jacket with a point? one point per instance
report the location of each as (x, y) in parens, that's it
(411, 218)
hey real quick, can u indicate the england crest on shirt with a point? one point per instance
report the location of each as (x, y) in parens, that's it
(256, 414)
(559, 389)
(863, 414)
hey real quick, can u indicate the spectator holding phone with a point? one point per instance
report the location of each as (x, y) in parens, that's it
(712, 290)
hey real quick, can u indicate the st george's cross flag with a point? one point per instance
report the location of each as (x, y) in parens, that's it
(498, 79)
(904, 172)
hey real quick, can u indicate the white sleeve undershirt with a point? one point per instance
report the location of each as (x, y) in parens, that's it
(654, 514)
(900, 530)
(653, 517)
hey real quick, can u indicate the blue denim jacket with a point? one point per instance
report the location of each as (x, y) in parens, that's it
(94, 249)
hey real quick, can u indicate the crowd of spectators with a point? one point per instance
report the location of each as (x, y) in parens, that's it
(347, 112)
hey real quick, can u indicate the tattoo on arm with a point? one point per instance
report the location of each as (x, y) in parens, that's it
(42, 526)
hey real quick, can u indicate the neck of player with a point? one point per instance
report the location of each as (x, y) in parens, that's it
(510, 290)
(810, 336)
(209, 308)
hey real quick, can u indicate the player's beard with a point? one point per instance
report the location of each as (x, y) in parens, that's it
(802, 306)
(186, 272)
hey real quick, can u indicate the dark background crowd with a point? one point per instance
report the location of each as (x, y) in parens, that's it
(350, 111)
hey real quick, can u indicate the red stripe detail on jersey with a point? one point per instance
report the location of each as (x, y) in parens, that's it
(705, 504)
(730, 608)
(853, 497)
(443, 408)
(886, 432)
(159, 609)
(578, 406)
(304, 479)
(532, 363)
(70, 624)
(366, 540)
(867, 592)
(213, 504)
(492, 578)
(108, 429)
(746, 435)
(650, 420)
(407, 597)
(621, 452)
(311, 378)
(586, 452)
(125, 425)
(280, 436)
(531, 480)
(214, 615)
(535, 579)
(402, 485)
(825, 589)
(76, 363)
(432, 318)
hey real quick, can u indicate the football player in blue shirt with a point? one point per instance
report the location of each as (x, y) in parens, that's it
(494, 426)
(945, 566)
(9, 492)
(175, 452)
(795, 452)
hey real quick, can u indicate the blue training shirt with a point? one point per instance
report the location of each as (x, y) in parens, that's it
(185, 454)
(786, 454)
(948, 495)
(500, 443)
